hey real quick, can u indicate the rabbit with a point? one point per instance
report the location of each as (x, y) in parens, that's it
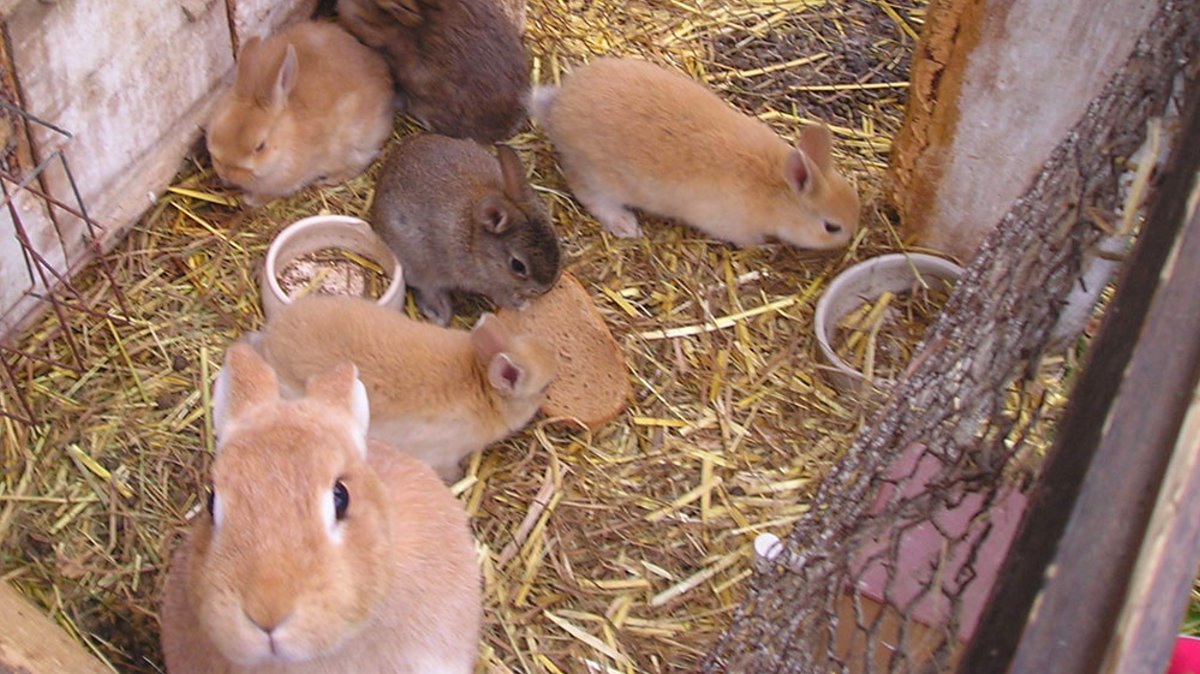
(457, 218)
(310, 104)
(437, 394)
(460, 65)
(322, 550)
(630, 134)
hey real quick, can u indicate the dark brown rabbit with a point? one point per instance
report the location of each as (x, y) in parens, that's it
(459, 64)
(458, 218)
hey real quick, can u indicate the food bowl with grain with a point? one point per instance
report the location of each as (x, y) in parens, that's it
(333, 255)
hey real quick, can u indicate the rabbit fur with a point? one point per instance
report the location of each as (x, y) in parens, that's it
(282, 577)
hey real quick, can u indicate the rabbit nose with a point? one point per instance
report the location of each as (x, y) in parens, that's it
(832, 227)
(268, 621)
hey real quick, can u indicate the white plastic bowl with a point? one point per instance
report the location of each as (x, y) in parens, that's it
(327, 231)
(863, 283)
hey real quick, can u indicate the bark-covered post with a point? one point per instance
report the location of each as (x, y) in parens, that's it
(995, 86)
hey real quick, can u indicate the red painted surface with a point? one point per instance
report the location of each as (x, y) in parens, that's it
(1186, 657)
(925, 554)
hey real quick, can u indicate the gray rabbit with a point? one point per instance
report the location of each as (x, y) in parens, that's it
(458, 218)
(460, 65)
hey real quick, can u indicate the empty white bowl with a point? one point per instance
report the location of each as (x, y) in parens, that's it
(318, 232)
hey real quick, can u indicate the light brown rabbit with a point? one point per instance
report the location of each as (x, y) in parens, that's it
(311, 104)
(436, 393)
(321, 551)
(631, 134)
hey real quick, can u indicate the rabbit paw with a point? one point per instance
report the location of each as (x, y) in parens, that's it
(254, 199)
(623, 224)
(450, 472)
(334, 179)
(616, 219)
(435, 305)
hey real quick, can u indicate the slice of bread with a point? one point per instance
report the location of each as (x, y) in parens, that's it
(592, 385)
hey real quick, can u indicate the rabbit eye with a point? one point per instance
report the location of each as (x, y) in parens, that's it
(518, 267)
(260, 147)
(214, 507)
(832, 227)
(341, 499)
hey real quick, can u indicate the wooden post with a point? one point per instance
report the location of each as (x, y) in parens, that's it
(31, 644)
(1070, 573)
(996, 84)
(1166, 566)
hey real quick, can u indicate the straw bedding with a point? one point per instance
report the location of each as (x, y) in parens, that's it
(620, 550)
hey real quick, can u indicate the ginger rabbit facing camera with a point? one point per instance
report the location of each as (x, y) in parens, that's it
(459, 219)
(436, 393)
(322, 550)
(309, 105)
(459, 64)
(630, 134)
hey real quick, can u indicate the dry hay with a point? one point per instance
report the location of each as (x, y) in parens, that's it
(624, 550)
(878, 338)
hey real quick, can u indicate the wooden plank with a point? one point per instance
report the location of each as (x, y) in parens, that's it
(938, 551)
(1089, 516)
(986, 106)
(31, 644)
(133, 105)
(1166, 566)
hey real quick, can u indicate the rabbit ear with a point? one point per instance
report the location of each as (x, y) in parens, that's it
(492, 342)
(489, 336)
(513, 172)
(341, 389)
(244, 383)
(797, 171)
(504, 374)
(248, 47)
(492, 214)
(244, 79)
(285, 78)
(817, 144)
(405, 12)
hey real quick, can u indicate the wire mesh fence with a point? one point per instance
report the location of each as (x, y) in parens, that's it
(894, 560)
(33, 214)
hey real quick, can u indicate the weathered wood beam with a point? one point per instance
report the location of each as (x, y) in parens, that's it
(996, 84)
(30, 643)
(1070, 571)
(1166, 567)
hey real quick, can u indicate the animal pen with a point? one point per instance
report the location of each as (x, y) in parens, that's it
(1010, 503)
